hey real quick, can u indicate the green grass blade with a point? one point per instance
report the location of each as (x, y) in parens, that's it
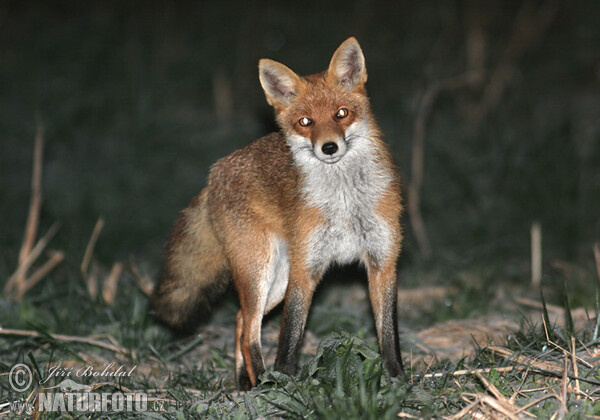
(568, 316)
(597, 327)
(546, 318)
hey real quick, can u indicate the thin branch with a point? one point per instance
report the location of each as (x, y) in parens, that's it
(536, 402)
(65, 338)
(92, 282)
(597, 259)
(490, 387)
(562, 398)
(143, 281)
(469, 372)
(529, 26)
(36, 194)
(89, 249)
(56, 258)
(574, 364)
(21, 271)
(418, 152)
(536, 254)
(35, 204)
(110, 285)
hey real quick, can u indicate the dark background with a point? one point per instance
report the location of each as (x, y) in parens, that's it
(138, 99)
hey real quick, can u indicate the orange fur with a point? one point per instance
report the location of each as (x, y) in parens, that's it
(265, 221)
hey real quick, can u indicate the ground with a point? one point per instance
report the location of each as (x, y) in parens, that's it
(490, 110)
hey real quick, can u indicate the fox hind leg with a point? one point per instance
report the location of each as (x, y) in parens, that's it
(383, 291)
(260, 289)
(298, 297)
(241, 374)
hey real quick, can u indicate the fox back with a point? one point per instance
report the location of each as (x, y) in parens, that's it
(278, 213)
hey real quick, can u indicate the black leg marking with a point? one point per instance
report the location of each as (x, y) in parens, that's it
(390, 343)
(292, 331)
(257, 361)
(243, 380)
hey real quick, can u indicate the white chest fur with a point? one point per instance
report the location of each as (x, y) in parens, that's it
(347, 193)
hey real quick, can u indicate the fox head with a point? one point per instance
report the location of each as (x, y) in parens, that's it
(324, 112)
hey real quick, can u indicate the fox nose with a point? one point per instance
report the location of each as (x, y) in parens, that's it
(329, 148)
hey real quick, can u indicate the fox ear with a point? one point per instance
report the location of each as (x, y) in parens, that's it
(347, 66)
(280, 83)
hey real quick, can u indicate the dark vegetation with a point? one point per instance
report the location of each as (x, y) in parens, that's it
(138, 99)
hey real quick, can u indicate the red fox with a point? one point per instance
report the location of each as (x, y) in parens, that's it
(277, 213)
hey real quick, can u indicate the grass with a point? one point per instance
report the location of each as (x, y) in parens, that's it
(343, 379)
(131, 127)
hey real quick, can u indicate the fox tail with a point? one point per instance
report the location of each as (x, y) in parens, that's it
(195, 270)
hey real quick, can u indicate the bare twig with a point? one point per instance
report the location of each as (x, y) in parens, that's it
(527, 361)
(465, 412)
(89, 249)
(500, 402)
(33, 255)
(490, 387)
(92, 282)
(486, 407)
(18, 284)
(143, 281)
(36, 197)
(475, 42)
(530, 25)
(418, 152)
(223, 98)
(536, 402)
(574, 363)
(56, 258)
(31, 227)
(597, 259)
(110, 285)
(562, 398)
(538, 305)
(469, 372)
(536, 254)
(65, 338)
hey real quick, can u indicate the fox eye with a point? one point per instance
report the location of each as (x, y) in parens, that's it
(305, 121)
(342, 113)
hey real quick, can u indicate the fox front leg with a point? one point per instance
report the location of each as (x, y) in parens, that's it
(297, 302)
(383, 291)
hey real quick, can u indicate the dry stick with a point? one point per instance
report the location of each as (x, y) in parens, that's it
(89, 249)
(498, 405)
(143, 281)
(481, 400)
(526, 361)
(538, 305)
(56, 258)
(110, 286)
(465, 411)
(402, 415)
(562, 410)
(475, 42)
(469, 372)
(539, 400)
(574, 363)
(418, 153)
(530, 25)
(31, 257)
(559, 347)
(34, 208)
(92, 283)
(64, 338)
(223, 98)
(536, 254)
(597, 258)
(490, 387)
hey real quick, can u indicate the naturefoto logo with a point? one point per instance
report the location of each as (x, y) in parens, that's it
(69, 395)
